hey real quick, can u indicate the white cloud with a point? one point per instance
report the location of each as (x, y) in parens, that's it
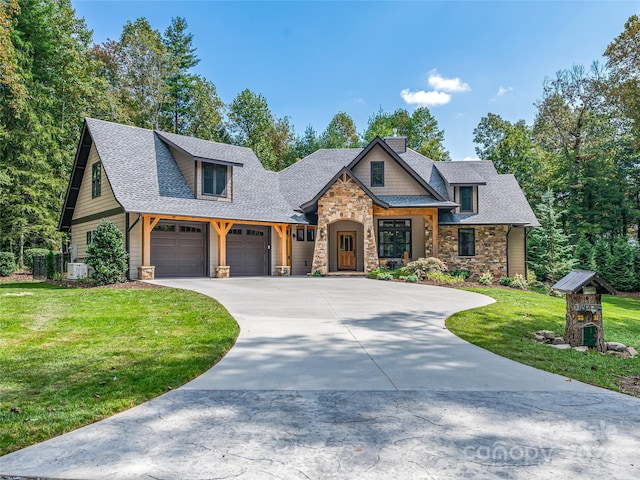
(502, 91)
(425, 99)
(470, 159)
(438, 82)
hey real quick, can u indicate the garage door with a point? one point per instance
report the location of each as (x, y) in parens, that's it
(178, 249)
(248, 250)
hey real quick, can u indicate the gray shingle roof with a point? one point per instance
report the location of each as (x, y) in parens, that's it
(145, 177)
(576, 279)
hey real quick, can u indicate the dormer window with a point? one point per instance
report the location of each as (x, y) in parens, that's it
(214, 179)
(466, 199)
(377, 174)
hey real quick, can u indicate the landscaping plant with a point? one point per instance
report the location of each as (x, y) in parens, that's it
(107, 255)
(7, 264)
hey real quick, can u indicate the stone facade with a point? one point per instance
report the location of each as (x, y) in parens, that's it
(146, 273)
(491, 249)
(223, 271)
(344, 200)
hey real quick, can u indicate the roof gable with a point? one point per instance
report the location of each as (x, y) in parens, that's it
(310, 205)
(378, 142)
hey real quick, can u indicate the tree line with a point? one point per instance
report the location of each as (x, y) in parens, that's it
(582, 148)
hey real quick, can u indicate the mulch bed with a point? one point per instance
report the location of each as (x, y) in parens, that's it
(631, 385)
(132, 285)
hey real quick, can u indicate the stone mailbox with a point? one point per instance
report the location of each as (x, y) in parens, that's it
(584, 324)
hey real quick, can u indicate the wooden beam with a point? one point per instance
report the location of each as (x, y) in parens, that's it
(222, 227)
(281, 230)
(154, 223)
(146, 240)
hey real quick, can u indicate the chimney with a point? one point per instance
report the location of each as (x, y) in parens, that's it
(397, 144)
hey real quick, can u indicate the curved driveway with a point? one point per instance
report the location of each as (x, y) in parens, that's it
(353, 378)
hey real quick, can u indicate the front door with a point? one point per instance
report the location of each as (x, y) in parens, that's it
(346, 250)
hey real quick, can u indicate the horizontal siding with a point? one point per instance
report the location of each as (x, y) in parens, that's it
(86, 205)
(135, 246)
(79, 233)
(396, 179)
(213, 250)
(517, 252)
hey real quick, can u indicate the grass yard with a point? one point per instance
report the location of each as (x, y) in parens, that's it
(506, 328)
(72, 356)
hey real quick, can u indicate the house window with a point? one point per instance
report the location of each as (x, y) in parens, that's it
(300, 234)
(90, 235)
(466, 242)
(311, 234)
(96, 178)
(164, 228)
(394, 238)
(466, 199)
(235, 231)
(186, 229)
(377, 174)
(214, 179)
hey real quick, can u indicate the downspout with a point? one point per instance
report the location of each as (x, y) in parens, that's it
(128, 242)
(508, 232)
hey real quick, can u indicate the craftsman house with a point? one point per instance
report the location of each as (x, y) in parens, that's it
(191, 207)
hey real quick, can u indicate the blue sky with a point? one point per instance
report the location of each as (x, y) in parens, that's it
(313, 59)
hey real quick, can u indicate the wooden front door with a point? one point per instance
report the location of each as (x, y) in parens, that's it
(346, 250)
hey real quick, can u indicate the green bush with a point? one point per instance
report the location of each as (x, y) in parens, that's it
(486, 278)
(505, 281)
(518, 281)
(29, 253)
(7, 264)
(422, 266)
(107, 254)
(461, 273)
(444, 278)
(411, 279)
(51, 265)
(384, 276)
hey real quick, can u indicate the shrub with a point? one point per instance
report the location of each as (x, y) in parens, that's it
(461, 273)
(443, 278)
(7, 264)
(486, 278)
(422, 266)
(505, 281)
(531, 277)
(29, 253)
(384, 276)
(107, 255)
(518, 281)
(411, 279)
(51, 266)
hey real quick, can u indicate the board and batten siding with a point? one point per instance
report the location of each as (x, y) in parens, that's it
(135, 245)
(301, 254)
(186, 166)
(88, 207)
(397, 180)
(517, 252)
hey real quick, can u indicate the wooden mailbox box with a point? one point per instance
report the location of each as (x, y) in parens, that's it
(584, 324)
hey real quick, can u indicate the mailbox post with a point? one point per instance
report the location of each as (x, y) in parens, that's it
(584, 324)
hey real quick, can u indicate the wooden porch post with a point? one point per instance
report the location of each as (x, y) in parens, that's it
(222, 228)
(283, 270)
(147, 271)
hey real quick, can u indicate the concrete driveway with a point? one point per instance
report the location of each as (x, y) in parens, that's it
(352, 378)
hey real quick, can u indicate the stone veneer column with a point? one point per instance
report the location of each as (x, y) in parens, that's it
(345, 200)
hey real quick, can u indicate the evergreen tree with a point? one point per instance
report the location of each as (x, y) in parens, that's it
(636, 266)
(550, 253)
(602, 259)
(584, 253)
(107, 254)
(622, 274)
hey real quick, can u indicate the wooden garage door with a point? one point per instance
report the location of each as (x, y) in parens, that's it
(248, 250)
(178, 249)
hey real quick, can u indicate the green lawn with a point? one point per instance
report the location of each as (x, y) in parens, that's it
(506, 328)
(71, 356)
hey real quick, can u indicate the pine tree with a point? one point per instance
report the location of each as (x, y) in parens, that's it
(584, 253)
(602, 259)
(636, 267)
(622, 275)
(550, 253)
